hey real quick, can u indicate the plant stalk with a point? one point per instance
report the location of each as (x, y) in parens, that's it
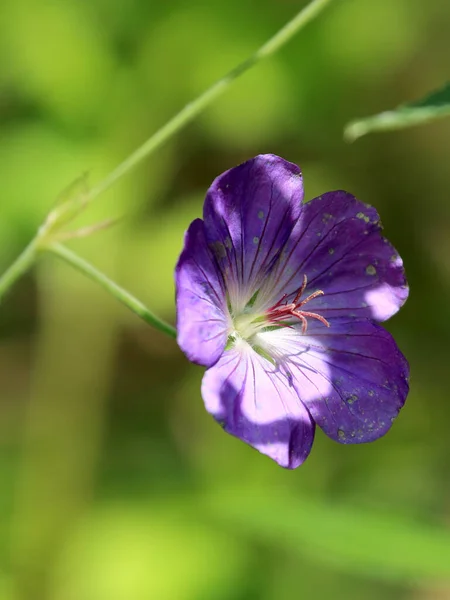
(18, 268)
(115, 290)
(191, 110)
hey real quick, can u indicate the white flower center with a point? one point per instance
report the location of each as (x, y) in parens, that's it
(247, 324)
(261, 328)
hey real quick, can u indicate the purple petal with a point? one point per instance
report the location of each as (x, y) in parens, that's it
(359, 375)
(256, 403)
(202, 316)
(249, 213)
(338, 245)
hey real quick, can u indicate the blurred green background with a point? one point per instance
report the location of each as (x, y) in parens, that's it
(115, 482)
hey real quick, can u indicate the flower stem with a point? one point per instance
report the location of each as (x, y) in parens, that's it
(115, 290)
(191, 110)
(18, 268)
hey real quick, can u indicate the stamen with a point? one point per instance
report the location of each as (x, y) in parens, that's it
(301, 290)
(281, 310)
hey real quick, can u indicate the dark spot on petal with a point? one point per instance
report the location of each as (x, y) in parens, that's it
(218, 249)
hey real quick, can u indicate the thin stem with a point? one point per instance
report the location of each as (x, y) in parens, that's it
(122, 295)
(18, 268)
(190, 111)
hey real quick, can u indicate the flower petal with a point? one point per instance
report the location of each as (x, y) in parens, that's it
(359, 375)
(202, 316)
(256, 403)
(249, 213)
(338, 245)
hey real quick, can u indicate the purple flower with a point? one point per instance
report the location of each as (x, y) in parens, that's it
(280, 301)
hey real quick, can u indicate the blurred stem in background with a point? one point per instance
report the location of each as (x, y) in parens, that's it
(44, 239)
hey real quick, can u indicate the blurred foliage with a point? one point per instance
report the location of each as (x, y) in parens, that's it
(434, 106)
(115, 482)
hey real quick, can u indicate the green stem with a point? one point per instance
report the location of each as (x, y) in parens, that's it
(18, 268)
(115, 290)
(190, 111)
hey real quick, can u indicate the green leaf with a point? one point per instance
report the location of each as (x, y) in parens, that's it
(379, 545)
(434, 106)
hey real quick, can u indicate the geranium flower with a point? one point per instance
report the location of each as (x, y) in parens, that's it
(280, 299)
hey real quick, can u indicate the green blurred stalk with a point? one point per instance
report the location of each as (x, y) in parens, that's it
(18, 268)
(193, 109)
(115, 290)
